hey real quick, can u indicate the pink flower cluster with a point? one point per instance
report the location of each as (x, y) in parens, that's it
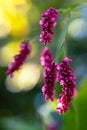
(46, 57)
(50, 74)
(66, 79)
(19, 59)
(53, 72)
(61, 73)
(47, 23)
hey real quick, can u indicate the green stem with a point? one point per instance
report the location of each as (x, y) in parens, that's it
(62, 38)
(76, 114)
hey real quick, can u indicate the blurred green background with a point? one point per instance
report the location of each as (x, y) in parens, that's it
(22, 105)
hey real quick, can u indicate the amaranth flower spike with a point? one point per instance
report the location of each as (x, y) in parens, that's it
(48, 22)
(19, 59)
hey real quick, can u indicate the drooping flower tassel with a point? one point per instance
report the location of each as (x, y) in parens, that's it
(19, 59)
(50, 74)
(66, 79)
(48, 23)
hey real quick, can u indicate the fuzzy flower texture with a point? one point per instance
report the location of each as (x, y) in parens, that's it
(50, 74)
(66, 79)
(61, 73)
(19, 59)
(47, 23)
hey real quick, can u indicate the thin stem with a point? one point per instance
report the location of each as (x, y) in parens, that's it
(62, 38)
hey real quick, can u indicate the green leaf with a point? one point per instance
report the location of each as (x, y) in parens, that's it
(69, 8)
(64, 12)
(61, 39)
(63, 53)
(79, 113)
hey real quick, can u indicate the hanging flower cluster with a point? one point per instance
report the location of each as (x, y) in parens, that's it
(19, 59)
(53, 72)
(50, 74)
(61, 73)
(46, 57)
(66, 80)
(47, 23)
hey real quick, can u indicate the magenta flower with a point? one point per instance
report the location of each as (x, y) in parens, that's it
(66, 79)
(46, 57)
(50, 74)
(47, 23)
(19, 59)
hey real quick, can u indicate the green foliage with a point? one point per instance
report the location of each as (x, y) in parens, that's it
(72, 7)
(80, 113)
(61, 38)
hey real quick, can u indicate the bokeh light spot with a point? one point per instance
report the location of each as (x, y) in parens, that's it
(78, 29)
(7, 52)
(25, 79)
(5, 27)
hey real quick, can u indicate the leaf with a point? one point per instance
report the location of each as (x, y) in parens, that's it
(61, 39)
(69, 8)
(63, 53)
(79, 113)
(64, 12)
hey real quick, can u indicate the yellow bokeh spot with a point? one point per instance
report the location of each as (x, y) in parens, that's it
(22, 5)
(24, 79)
(7, 52)
(5, 27)
(15, 12)
(19, 26)
(16, 7)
